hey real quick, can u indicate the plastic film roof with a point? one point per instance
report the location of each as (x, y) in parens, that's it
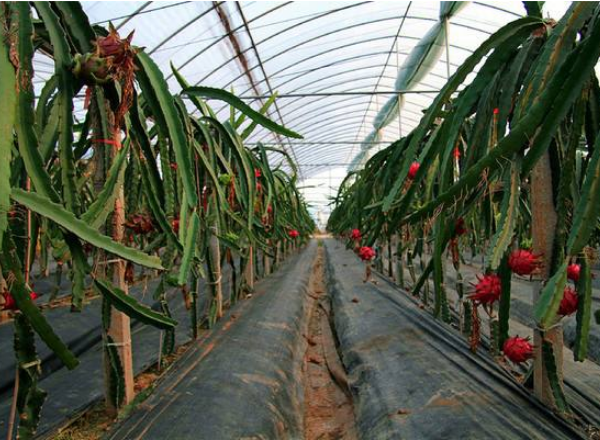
(333, 64)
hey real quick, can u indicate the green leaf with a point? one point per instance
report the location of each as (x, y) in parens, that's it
(222, 95)
(64, 100)
(549, 301)
(189, 248)
(509, 212)
(132, 308)
(588, 207)
(11, 269)
(25, 124)
(8, 98)
(104, 204)
(555, 384)
(55, 212)
(584, 311)
(159, 88)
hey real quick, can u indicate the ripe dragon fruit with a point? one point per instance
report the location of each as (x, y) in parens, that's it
(412, 171)
(293, 234)
(524, 262)
(487, 290)
(568, 304)
(459, 227)
(175, 225)
(9, 301)
(366, 253)
(355, 235)
(517, 349)
(573, 272)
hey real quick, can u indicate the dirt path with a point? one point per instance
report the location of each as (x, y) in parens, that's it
(328, 411)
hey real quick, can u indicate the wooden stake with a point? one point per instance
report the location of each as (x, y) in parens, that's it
(216, 269)
(120, 325)
(543, 231)
(249, 269)
(267, 261)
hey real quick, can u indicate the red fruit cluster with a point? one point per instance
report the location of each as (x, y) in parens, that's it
(524, 262)
(487, 290)
(459, 227)
(270, 209)
(568, 304)
(518, 349)
(293, 234)
(573, 272)
(412, 171)
(139, 224)
(175, 225)
(456, 153)
(257, 173)
(355, 235)
(366, 253)
(9, 301)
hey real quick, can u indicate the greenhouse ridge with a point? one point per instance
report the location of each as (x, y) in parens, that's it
(299, 220)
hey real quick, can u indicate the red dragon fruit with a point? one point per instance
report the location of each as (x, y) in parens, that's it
(573, 272)
(524, 262)
(459, 227)
(487, 290)
(9, 301)
(355, 235)
(366, 253)
(294, 234)
(568, 304)
(175, 225)
(517, 349)
(412, 171)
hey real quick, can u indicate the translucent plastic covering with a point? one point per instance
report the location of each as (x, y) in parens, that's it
(334, 64)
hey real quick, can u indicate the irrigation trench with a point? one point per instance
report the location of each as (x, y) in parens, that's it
(318, 354)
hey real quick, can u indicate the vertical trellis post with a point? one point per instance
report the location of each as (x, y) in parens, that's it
(120, 323)
(543, 231)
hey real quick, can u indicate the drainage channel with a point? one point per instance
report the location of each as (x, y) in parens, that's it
(328, 408)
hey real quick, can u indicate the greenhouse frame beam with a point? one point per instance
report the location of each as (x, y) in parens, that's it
(389, 57)
(266, 77)
(183, 27)
(349, 27)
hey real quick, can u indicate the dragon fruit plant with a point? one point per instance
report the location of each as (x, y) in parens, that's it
(506, 181)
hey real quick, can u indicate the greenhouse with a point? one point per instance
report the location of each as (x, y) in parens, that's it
(299, 220)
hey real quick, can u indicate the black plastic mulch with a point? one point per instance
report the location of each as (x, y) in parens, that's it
(243, 381)
(70, 392)
(412, 377)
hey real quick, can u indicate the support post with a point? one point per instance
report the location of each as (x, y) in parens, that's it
(120, 326)
(249, 269)
(543, 231)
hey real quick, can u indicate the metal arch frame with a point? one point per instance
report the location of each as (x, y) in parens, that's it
(311, 112)
(183, 27)
(334, 119)
(292, 111)
(266, 77)
(312, 39)
(389, 56)
(340, 124)
(336, 62)
(283, 31)
(330, 122)
(308, 153)
(350, 108)
(224, 36)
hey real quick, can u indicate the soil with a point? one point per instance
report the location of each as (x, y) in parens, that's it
(96, 421)
(328, 412)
